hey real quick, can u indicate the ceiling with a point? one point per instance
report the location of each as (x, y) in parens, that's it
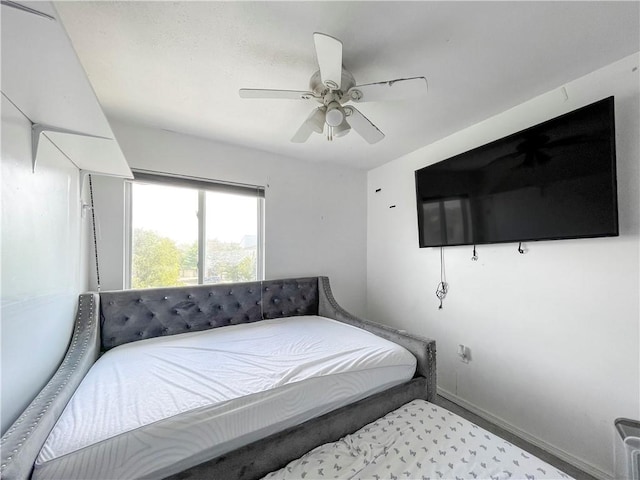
(179, 65)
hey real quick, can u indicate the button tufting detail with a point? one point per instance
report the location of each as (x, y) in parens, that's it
(249, 303)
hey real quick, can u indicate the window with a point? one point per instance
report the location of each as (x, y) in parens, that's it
(185, 231)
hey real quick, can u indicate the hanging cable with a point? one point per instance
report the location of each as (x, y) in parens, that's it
(475, 255)
(95, 237)
(443, 286)
(520, 250)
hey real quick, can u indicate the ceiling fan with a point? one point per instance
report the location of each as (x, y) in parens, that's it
(332, 87)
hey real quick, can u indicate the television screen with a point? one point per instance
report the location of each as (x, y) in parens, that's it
(555, 180)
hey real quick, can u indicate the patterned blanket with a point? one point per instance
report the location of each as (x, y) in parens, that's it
(419, 441)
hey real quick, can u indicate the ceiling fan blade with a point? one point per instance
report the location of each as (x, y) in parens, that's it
(399, 89)
(278, 94)
(363, 125)
(313, 123)
(329, 54)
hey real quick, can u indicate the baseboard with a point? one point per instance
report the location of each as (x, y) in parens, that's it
(564, 456)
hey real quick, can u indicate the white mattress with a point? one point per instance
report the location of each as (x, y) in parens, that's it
(154, 407)
(419, 441)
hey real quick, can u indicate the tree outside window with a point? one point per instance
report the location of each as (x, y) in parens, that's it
(166, 223)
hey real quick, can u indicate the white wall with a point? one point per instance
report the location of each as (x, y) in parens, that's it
(315, 213)
(43, 241)
(554, 333)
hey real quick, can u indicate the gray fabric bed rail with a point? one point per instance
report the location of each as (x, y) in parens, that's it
(21, 444)
(255, 460)
(424, 349)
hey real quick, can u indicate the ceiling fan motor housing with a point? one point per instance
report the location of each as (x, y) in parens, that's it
(320, 90)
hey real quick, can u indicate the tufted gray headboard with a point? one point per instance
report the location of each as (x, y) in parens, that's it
(130, 315)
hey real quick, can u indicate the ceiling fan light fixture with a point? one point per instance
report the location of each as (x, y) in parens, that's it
(342, 129)
(335, 114)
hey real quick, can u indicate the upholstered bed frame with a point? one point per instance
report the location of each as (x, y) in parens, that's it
(108, 319)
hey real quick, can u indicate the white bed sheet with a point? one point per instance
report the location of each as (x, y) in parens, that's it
(154, 407)
(419, 441)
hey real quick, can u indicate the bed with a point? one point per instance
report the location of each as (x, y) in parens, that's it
(151, 385)
(419, 440)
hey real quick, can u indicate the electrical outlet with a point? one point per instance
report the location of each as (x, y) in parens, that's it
(464, 353)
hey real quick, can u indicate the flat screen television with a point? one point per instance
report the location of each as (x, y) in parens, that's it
(556, 180)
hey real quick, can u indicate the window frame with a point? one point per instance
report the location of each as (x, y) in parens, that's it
(202, 185)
